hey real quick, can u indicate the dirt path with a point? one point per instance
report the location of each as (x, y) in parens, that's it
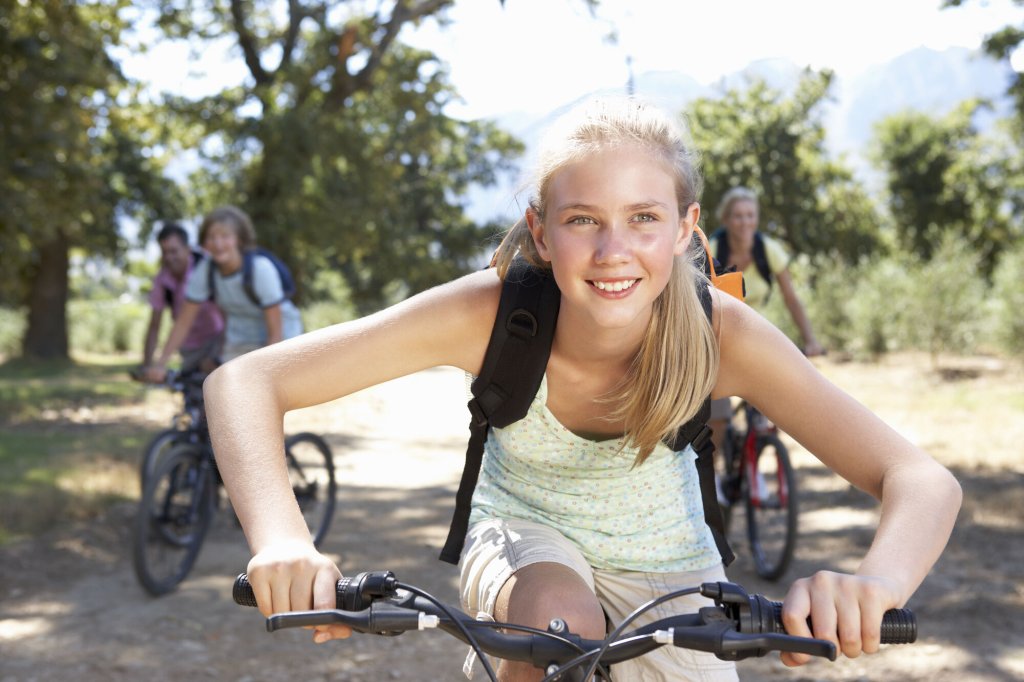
(70, 608)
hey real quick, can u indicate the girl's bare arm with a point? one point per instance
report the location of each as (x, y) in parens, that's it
(761, 365)
(246, 400)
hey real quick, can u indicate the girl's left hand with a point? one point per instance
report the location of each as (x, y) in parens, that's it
(844, 609)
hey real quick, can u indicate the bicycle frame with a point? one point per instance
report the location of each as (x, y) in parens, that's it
(759, 426)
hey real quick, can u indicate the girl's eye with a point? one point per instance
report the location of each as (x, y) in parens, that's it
(582, 220)
(644, 218)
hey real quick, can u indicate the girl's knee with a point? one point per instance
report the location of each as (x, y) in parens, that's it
(539, 593)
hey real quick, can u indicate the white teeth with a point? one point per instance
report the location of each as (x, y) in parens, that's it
(620, 285)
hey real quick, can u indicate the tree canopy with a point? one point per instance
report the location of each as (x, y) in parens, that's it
(773, 143)
(337, 142)
(945, 179)
(75, 154)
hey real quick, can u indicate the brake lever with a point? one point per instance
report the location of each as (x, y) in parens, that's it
(301, 619)
(736, 645)
(381, 618)
(717, 636)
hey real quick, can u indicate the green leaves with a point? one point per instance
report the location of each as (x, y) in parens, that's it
(943, 177)
(773, 143)
(339, 148)
(73, 154)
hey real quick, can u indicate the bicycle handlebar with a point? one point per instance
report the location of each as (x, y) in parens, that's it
(740, 625)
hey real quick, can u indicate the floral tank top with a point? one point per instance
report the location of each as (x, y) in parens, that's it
(621, 517)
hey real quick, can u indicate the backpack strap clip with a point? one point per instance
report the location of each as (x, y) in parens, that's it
(702, 438)
(522, 324)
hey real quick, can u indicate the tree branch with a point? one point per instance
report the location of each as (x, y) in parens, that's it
(402, 13)
(247, 41)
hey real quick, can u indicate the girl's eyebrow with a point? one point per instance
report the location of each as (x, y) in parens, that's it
(639, 206)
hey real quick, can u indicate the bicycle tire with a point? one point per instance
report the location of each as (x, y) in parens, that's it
(159, 445)
(311, 470)
(772, 508)
(174, 515)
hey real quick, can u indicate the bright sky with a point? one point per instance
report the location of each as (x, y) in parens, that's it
(533, 55)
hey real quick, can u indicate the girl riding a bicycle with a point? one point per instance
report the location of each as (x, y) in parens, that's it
(581, 510)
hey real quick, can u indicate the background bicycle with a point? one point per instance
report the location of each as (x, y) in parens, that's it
(182, 489)
(755, 470)
(187, 426)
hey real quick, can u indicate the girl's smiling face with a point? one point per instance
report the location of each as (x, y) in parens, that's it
(221, 241)
(611, 232)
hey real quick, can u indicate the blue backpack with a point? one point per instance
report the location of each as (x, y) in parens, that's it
(287, 280)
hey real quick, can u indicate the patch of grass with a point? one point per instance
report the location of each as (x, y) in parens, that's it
(68, 449)
(28, 388)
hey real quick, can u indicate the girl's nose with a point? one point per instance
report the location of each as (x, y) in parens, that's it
(613, 245)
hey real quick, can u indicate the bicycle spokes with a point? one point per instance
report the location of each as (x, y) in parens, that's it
(311, 472)
(771, 506)
(174, 515)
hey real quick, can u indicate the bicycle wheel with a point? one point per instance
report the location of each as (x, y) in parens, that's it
(174, 515)
(771, 500)
(311, 470)
(158, 446)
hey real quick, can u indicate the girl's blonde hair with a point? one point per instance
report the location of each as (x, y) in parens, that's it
(731, 197)
(677, 363)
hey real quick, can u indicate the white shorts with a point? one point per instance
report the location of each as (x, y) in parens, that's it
(495, 549)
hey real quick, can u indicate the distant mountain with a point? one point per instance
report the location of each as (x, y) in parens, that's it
(922, 79)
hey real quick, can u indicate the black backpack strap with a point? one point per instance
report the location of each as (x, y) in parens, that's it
(761, 260)
(721, 244)
(697, 434)
(250, 290)
(211, 285)
(513, 368)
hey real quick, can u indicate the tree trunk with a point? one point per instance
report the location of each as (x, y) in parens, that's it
(47, 334)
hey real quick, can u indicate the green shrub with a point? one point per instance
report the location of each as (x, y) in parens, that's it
(109, 326)
(945, 309)
(1008, 301)
(826, 301)
(12, 328)
(325, 313)
(875, 307)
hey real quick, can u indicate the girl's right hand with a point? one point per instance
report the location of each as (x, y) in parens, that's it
(294, 576)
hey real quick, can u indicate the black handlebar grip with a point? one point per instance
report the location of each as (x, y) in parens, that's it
(241, 592)
(243, 595)
(354, 593)
(899, 626)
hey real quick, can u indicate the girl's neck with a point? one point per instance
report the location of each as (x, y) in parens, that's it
(583, 343)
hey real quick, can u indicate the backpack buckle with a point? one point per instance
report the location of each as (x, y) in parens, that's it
(478, 418)
(521, 324)
(702, 438)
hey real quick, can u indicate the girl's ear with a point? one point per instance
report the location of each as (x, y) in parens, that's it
(687, 222)
(536, 227)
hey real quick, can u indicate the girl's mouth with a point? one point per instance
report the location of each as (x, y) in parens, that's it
(613, 286)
